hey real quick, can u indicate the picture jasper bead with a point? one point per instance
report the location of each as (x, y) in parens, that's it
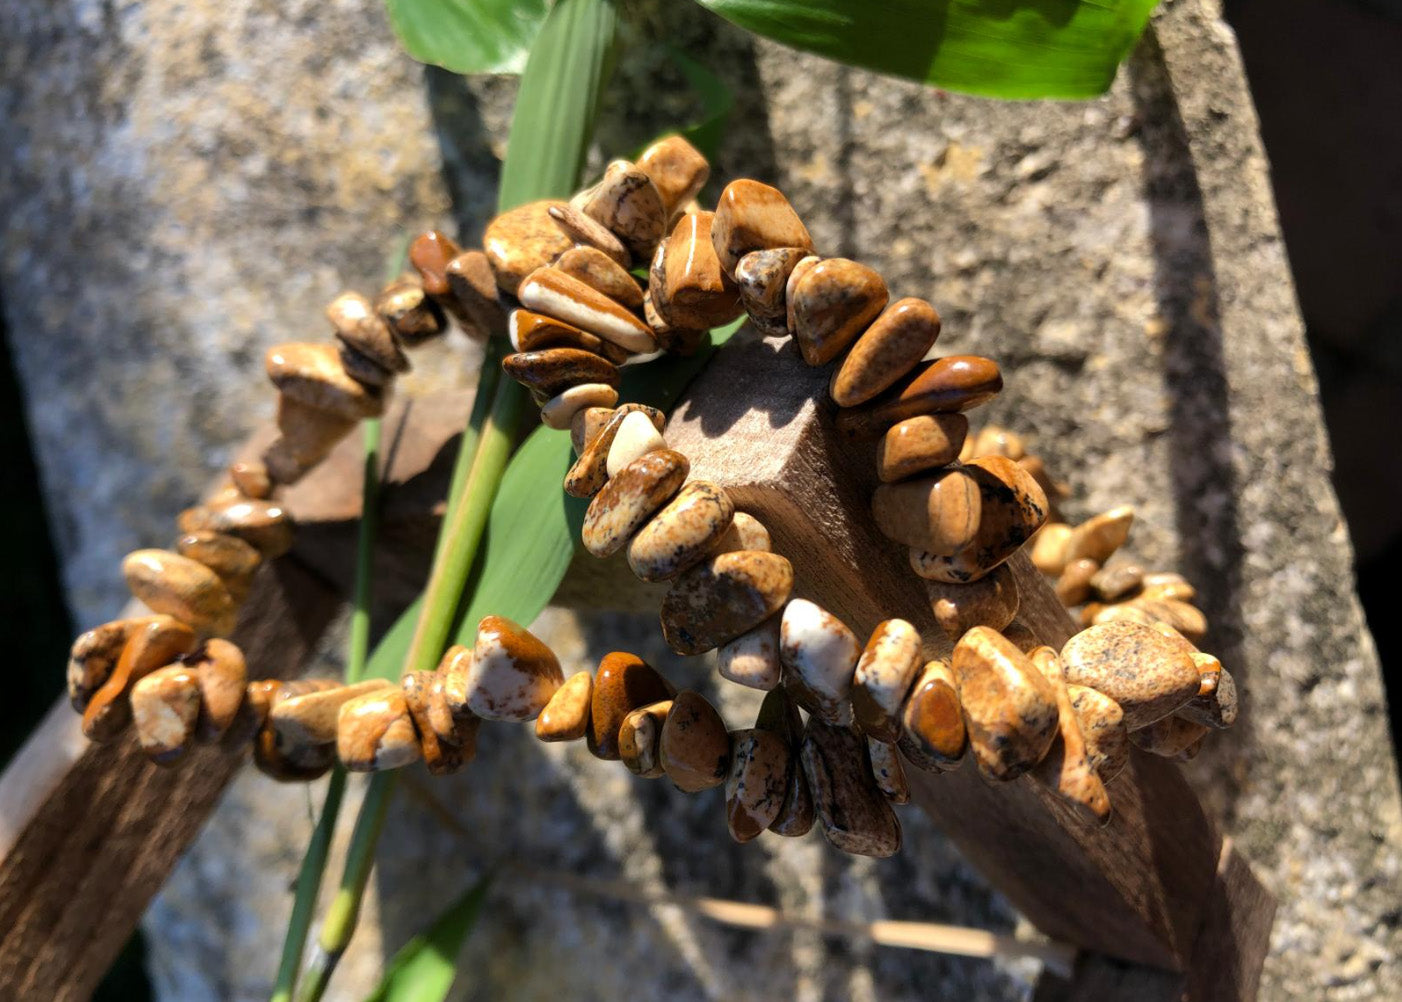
(1048, 548)
(855, 815)
(556, 369)
(831, 304)
(990, 601)
(529, 331)
(429, 254)
(558, 412)
(312, 374)
(628, 205)
(264, 525)
(1216, 707)
(762, 278)
(946, 385)
(234, 560)
(918, 444)
(151, 642)
(677, 169)
(623, 683)
(745, 532)
(165, 706)
(629, 499)
(1073, 584)
(222, 675)
(723, 597)
(566, 716)
(885, 671)
(180, 587)
(752, 658)
(602, 273)
(556, 294)
(520, 240)
(474, 289)
(1009, 707)
(939, 514)
(513, 675)
(375, 732)
(250, 477)
(699, 294)
(1067, 767)
(760, 762)
(694, 748)
(1169, 737)
(360, 328)
(932, 734)
(1097, 538)
(751, 216)
(1102, 726)
(93, 657)
(447, 741)
(889, 349)
(309, 718)
(413, 316)
(683, 532)
(1143, 671)
(779, 716)
(636, 437)
(590, 472)
(888, 772)
(819, 656)
(639, 739)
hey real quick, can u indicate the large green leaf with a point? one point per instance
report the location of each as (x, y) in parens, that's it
(469, 36)
(424, 968)
(999, 48)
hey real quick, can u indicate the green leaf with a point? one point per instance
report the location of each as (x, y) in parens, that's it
(424, 968)
(998, 48)
(468, 36)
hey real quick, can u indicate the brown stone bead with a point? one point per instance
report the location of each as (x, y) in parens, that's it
(1166, 584)
(251, 478)
(264, 525)
(1067, 768)
(1214, 706)
(628, 205)
(556, 294)
(888, 772)
(586, 232)
(745, 532)
(918, 444)
(180, 587)
(1020, 636)
(1047, 548)
(779, 715)
(723, 597)
(512, 675)
(682, 534)
(520, 240)
(558, 412)
(599, 271)
(291, 764)
(308, 436)
(411, 313)
(694, 748)
(312, 374)
(1169, 737)
(990, 601)
(855, 815)
(752, 658)
(530, 332)
(639, 739)
(885, 671)
(762, 279)
(309, 718)
(590, 472)
(1096, 613)
(165, 706)
(1098, 537)
(586, 425)
(375, 732)
(429, 254)
(939, 514)
(474, 290)
(751, 216)
(889, 349)
(252, 714)
(363, 369)
(556, 369)
(932, 734)
(831, 304)
(233, 559)
(1121, 581)
(994, 440)
(698, 293)
(92, 658)
(623, 683)
(628, 500)
(447, 741)
(677, 169)
(1073, 586)
(1102, 726)
(566, 716)
(819, 656)
(1009, 707)
(671, 338)
(151, 642)
(1186, 619)
(222, 676)
(359, 327)
(1135, 665)
(760, 762)
(635, 438)
(947, 385)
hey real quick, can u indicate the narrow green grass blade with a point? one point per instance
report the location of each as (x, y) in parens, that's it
(424, 968)
(1027, 49)
(468, 36)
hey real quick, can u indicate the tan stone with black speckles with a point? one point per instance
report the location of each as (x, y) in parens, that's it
(779, 716)
(556, 294)
(819, 655)
(990, 601)
(587, 232)
(855, 815)
(360, 328)
(831, 304)
(1102, 726)
(888, 772)
(1099, 537)
(723, 597)
(885, 671)
(1215, 705)
(410, 311)
(891, 347)
(683, 533)
(1067, 768)
(698, 293)
(933, 735)
(1169, 737)
(312, 374)
(586, 425)
(628, 500)
(1135, 665)
(222, 675)
(628, 205)
(234, 560)
(745, 532)
(623, 683)
(151, 642)
(599, 271)
(1074, 585)
(375, 732)
(520, 240)
(310, 718)
(639, 737)
(915, 445)
(513, 675)
(474, 289)
(550, 371)
(165, 706)
(752, 658)
(694, 748)
(751, 216)
(1186, 619)
(677, 169)
(762, 278)
(264, 525)
(1010, 709)
(1048, 548)
(944, 386)
(1118, 582)
(566, 716)
(939, 514)
(760, 762)
(447, 741)
(590, 471)
(180, 587)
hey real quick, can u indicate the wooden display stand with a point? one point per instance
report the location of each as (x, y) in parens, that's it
(1160, 904)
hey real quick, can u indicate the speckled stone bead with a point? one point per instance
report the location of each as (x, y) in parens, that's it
(474, 288)
(819, 656)
(222, 675)
(639, 738)
(310, 718)
(752, 658)
(1048, 548)
(762, 278)
(855, 815)
(590, 472)
(831, 304)
(1136, 666)
(588, 232)
(629, 499)
(566, 716)
(634, 439)
(779, 716)
(550, 371)
(751, 216)
(429, 254)
(250, 478)
(413, 316)
(312, 374)
(264, 525)
(513, 675)
(723, 597)
(1103, 727)
(600, 272)
(556, 294)
(1009, 707)
(939, 514)
(92, 658)
(889, 349)
(694, 747)
(760, 762)
(234, 560)
(918, 444)
(375, 732)
(152, 642)
(1186, 619)
(1215, 705)
(1169, 737)
(888, 772)
(586, 425)
(520, 240)
(745, 532)
(698, 293)
(628, 205)
(1073, 585)
(1166, 584)
(947, 385)
(558, 412)
(1098, 537)
(888, 665)
(165, 707)
(530, 331)
(308, 436)
(990, 601)
(684, 532)
(180, 587)
(447, 741)
(677, 169)
(290, 764)
(623, 683)
(1067, 767)
(361, 329)
(933, 735)
(1117, 582)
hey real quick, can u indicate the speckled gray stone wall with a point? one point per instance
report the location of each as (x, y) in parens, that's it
(1120, 257)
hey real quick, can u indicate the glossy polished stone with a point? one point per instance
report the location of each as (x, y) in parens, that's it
(375, 732)
(683, 533)
(520, 240)
(933, 735)
(919, 444)
(694, 748)
(627, 501)
(1010, 708)
(947, 385)
(939, 514)
(889, 349)
(566, 716)
(762, 278)
(760, 762)
(723, 597)
(885, 671)
(752, 658)
(677, 169)
(513, 675)
(1138, 667)
(819, 656)
(751, 216)
(165, 707)
(855, 815)
(623, 683)
(990, 601)
(312, 374)
(180, 587)
(628, 205)
(475, 291)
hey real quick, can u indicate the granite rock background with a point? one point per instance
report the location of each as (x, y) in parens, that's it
(183, 185)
